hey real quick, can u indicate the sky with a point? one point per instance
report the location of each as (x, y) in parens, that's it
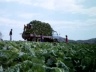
(75, 18)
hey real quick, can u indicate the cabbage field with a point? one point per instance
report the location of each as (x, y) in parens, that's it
(23, 56)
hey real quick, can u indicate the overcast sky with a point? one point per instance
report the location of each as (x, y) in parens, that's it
(75, 18)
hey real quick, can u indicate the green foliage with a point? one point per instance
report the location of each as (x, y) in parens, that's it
(39, 28)
(46, 57)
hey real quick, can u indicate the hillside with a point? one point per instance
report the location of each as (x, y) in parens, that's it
(90, 41)
(93, 40)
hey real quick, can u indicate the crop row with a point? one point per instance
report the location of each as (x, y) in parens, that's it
(19, 56)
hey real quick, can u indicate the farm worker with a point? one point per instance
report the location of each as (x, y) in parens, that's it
(66, 39)
(41, 36)
(10, 35)
(34, 36)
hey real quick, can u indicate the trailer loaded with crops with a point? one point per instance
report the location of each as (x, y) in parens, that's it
(38, 31)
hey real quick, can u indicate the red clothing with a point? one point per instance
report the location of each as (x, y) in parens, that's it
(66, 39)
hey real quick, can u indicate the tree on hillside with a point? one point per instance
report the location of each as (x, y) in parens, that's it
(39, 28)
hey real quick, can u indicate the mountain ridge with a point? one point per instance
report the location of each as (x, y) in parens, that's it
(90, 41)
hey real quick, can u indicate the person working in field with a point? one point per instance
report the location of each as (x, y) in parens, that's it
(10, 34)
(41, 37)
(66, 39)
